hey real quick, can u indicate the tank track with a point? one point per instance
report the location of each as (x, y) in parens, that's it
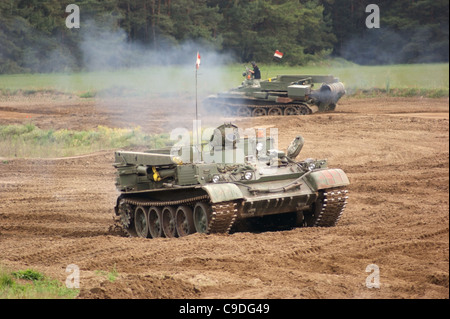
(223, 217)
(143, 202)
(333, 204)
(301, 109)
(329, 208)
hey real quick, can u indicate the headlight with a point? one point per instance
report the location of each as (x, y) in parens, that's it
(259, 147)
(311, 166)
(215, 178)
(248, 175)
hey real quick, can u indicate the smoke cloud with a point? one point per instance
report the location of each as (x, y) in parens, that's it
(162, 80)
(105, 48)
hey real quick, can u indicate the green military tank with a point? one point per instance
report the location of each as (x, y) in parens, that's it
(231, 182)
(281, 95)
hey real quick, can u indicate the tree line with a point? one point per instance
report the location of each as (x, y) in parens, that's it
(34, 34)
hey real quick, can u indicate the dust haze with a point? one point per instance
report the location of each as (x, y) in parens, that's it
(147, 74)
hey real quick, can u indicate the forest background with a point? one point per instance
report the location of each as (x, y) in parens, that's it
(131, 33)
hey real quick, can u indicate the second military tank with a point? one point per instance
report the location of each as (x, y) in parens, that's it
(281, 95)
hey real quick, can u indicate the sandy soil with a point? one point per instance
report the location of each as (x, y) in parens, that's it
(56, 212)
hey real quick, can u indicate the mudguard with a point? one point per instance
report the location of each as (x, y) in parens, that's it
(223, 192)
(327, 178)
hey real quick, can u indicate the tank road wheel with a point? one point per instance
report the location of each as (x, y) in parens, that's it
(141, 222)
(244, 111)
(259, 111)
(202, 217)
(290, 110)
(168, 222)
(226, 111)
(275, 111)
(303, 110)
(184, 221)
(154, 222)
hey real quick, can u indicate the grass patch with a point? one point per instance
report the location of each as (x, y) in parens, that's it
(111, 275)
(28, 92)
(28, 274)
(180, 80)
(27, 140)
(87, 95)
(31, 284)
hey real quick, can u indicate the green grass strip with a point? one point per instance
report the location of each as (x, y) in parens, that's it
(27, 140)
(31, 284)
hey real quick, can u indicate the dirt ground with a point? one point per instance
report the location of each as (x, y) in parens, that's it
(57, 212)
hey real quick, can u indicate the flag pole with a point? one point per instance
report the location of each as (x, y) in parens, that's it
(196, 108)
(197, 65)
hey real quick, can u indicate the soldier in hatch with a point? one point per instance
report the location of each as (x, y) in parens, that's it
(256, 74)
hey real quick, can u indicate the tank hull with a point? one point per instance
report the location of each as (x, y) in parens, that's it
(231, 203)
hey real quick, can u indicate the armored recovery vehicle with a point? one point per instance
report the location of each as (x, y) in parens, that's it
(282, 95)
(227, 184)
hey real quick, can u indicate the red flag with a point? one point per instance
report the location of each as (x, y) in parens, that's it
(278, 54)
(197, 64)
